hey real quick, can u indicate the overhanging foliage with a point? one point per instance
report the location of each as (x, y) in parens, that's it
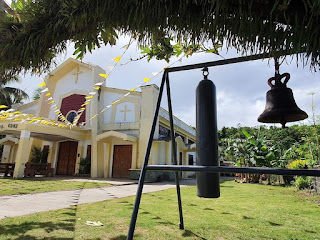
(42, 29)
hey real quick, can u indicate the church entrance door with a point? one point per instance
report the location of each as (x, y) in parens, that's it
(122, 158)
(67, 158)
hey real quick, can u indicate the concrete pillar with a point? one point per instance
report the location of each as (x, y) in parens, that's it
(107, 150)
(155, 153)
(185, 162)
(23, 153)
(149, 97)
(6, 153)
(168, 153)
(52, 153)
(80, 154)
(134, 155)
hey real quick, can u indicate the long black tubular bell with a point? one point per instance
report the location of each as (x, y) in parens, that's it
(144, 169)
(174, 151)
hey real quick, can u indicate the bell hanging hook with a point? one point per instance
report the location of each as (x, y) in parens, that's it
(205, 73)
(277, 67)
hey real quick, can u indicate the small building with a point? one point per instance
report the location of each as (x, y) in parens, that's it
(115, 140)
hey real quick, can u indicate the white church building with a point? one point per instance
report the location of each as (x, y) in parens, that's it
(115, 140)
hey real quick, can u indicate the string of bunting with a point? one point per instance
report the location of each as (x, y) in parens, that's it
(145, 81)
(17, 116)
(11, 114)
(88, 98)
(98, 85)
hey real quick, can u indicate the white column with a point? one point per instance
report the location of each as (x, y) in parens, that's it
(23, 153)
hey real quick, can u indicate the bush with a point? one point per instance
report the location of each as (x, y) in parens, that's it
(85, 166)
(303, 182)
(298, 164)
(38, 155)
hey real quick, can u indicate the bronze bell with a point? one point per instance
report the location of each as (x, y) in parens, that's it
(280, 105)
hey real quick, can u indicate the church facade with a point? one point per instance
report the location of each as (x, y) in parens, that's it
(115, 140)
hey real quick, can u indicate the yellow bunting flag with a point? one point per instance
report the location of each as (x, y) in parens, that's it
(48, 94)
(52, 101)
(117, 59)
(43, 84)
(103, 75)
(3, 106)
(96, 88)
(132, 89)
(94, 116)
(86, 103)
(89, 97)
(38, 70)
(146, 79)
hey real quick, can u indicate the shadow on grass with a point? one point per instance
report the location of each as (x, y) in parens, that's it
(19, 231)
(121, 237)
(274, 224)
(188, 233)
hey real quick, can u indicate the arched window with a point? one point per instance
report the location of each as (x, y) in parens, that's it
(71, 115)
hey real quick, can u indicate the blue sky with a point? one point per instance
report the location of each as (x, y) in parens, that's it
(241, 88)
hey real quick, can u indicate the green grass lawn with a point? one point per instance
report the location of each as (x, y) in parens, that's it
(24, 186)
(244, 211)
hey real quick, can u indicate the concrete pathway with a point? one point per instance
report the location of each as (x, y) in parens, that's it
(18, 205)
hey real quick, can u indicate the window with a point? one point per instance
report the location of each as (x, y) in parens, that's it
(71, 115)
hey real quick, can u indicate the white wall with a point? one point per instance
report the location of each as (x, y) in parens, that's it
(122, 117)
(68, 84)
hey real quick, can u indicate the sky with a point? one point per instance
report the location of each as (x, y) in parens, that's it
(241, 88)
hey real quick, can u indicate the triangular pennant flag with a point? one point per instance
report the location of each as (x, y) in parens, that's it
(155, 73)
(103, 75)
(89, 97)
(146, 79)
(45, 90)
(3, 106)
(86, 103)
(98, 84)
(110, 68)
(96, 88)
(48, 94)
(117, 59)
(43, 84)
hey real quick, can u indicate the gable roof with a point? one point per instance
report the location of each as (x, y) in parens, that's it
(66, 67)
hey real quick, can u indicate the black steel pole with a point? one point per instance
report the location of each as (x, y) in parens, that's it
(144, 169)
(174, 151)
(229, 61)
(259, 170)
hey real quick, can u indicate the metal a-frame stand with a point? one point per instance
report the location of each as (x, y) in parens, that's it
(177, 169)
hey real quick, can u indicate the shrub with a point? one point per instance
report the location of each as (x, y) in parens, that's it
(85, 166)
(303, 182)
(298, 164)
(38, 155)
